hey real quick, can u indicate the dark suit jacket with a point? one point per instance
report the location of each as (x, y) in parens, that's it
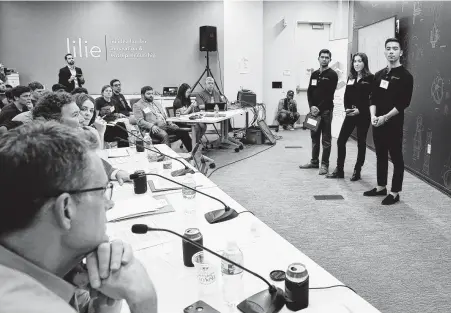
(64, 75)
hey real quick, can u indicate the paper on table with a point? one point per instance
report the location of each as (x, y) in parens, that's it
(117, 153)
(136, 206)
(123, 231)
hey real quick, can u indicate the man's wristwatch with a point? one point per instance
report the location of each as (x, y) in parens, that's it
(385, 118)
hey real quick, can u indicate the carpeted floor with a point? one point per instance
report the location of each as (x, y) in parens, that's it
(397, 257)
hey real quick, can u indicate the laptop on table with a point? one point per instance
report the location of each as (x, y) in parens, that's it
(210, 107)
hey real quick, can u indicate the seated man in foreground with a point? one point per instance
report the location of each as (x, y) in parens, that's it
(287, 113)
(53, 215)
(152, 117)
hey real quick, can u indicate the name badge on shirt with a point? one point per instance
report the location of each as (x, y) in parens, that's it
(314, 82)
(146, 110)
(112, 109)
(351, 82)
(384, 84)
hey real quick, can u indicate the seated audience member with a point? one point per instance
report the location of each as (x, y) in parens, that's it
(182, 104)
(58, 88)
(54, 215)
(287, 113)
(209, 94)
(22, 102)
(2, 73)
(152, 117)
(36, 90)
(106, 110)
(118, 99)
(27, 117)
(8, 96)
(2, 93)
(86, 105)
(79, 90)
(59, 106)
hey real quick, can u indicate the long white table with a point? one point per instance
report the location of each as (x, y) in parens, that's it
(224, 137)
(264, 250)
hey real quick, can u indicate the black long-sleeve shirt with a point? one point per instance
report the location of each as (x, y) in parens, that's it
(9, 112)
(392, 89)
(320, 92)
(357, 94)
(120, 104)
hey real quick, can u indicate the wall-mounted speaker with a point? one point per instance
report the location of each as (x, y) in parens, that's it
(207, 38)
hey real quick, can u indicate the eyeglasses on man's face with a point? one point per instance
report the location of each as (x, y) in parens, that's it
(108, 191)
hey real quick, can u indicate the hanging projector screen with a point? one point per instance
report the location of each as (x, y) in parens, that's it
(371, 40)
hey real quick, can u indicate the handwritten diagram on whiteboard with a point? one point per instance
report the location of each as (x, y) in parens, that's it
(371, 40)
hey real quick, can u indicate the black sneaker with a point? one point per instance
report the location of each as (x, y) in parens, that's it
(389, 200)
(373, 192)
(309, 165)
(336, 174)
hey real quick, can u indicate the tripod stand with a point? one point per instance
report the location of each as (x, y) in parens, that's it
(209, 74)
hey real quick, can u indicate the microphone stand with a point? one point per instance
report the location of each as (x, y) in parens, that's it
(175, 173)
(212, 217)
(270, 300)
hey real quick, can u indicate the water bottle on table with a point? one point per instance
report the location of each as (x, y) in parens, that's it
(152, 156)
(190, 182)
(216, 110)
(132, 138)
(232, 275)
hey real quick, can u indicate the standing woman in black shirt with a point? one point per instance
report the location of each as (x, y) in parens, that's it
(182, 103)
(356, 102)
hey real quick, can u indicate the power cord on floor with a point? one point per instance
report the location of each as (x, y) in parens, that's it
(334, 286)
(211, 173)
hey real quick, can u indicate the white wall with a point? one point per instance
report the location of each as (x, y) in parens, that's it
(243, 38)
(279, 43)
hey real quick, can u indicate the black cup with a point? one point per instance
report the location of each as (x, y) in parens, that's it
(139, 145)
(140, 182)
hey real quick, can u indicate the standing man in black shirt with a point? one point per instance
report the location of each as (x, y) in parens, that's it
(320, 94)
(118, 99)
(356, 102)
(391, 95)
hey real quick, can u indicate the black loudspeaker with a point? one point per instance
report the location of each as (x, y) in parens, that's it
(207, 38)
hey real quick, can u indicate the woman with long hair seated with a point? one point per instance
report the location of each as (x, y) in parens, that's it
(182, 104)
(106, 110)
(90, 119)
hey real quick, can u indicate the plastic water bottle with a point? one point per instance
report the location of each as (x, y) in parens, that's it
(151, 155)
(132, 139)
(190, 182)
(232, 275)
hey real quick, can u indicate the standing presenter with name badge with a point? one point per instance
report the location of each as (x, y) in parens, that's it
(391, 95)
(320, 95)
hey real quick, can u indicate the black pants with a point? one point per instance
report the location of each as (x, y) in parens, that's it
(287, 119)
(166, 130)
(324, 129)
(362, 123)
(388, 139)
(113, 133)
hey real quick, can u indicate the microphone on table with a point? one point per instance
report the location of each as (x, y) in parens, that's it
(270, 300)
(180, 172)
(212, 217)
